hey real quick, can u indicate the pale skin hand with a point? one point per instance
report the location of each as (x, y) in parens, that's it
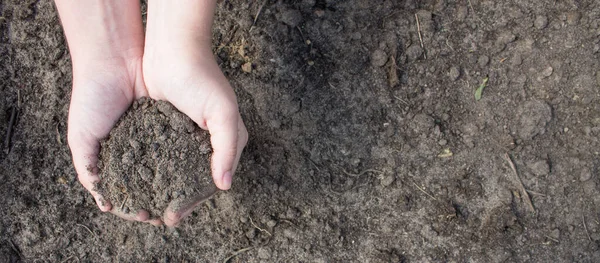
(179, 67)
(107, 48)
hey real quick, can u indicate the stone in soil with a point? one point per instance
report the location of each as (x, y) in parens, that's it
(533, 118)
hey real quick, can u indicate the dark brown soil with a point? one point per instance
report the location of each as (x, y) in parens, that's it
(352, 118)
(154, 155)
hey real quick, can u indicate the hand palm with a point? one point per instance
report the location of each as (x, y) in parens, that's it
(198, 88)
(97, 102)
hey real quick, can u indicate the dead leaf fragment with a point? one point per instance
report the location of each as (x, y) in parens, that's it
(247, 67)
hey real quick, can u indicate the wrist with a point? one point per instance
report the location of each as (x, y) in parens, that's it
(180, 27)
(106, 30)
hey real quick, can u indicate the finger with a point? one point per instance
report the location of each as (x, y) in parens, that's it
(180, 209)
(154, 222)
(242, 141)
(140, 215)
(85, 159)
(224, 133)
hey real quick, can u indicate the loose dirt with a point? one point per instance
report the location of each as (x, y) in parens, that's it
(155, 155)
(366, 142)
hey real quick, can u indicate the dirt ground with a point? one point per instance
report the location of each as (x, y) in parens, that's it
(155, 158)
(366, 141)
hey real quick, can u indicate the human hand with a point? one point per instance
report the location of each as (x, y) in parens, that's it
(193, 83)
(106, 46)
(102, 91)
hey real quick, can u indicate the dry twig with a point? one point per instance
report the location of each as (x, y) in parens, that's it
(236, 253)
(124, 201)
(9, 130)
(87, 228)
(257, 14)
(14, 247)
(420, 37)
(519, 183)
(69, 258)
(586, 230)
(423, 190)
(552, 239)
(261, 229)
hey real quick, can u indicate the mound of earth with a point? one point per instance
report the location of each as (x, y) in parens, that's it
(154, 155)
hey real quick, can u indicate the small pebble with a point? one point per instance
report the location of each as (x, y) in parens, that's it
(387, 180)
(483, 61)
(319, 12)
(291, 234)
(540, 22)
(506, 37)
(540, 168)
(251, 234)
(547, 72)
(247, 67)
(573, 17)
(379, 58)
(585, 175)
(145, 173)
(271, 223)
(414, 52)
(589, 187)
(264, 253)
(454, 73)
(555, 234)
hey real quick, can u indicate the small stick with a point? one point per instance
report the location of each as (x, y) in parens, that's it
(19, 98)
(255, 226)
(69, 258)
(87, 228)
(401, 100)
(420, 37)
(586, 230)
(58, 135)
(257, 14)
(551, 238)
(425, 192)
(471, 6)
(315, 164)
(14, 247)
(519, 183)
(236, 253)
(11, 123)
(123, 204)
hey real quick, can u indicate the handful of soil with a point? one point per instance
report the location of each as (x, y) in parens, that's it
(154, 155)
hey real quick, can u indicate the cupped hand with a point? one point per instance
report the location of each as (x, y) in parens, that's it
(193, 82)
(102, 91)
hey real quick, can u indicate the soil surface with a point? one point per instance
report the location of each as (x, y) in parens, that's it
(154, 155)
(366, 141)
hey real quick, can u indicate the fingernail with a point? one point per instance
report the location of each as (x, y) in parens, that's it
(226, 180)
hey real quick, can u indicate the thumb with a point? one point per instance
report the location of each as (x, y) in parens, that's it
(228, 137)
